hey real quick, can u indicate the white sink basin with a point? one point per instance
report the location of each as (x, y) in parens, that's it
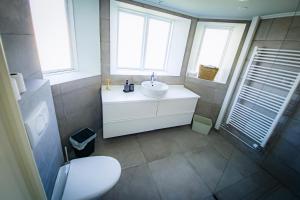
(154, 89)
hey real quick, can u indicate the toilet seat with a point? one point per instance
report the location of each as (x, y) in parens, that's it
(91, 177)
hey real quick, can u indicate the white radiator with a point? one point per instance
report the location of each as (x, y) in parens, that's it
(271, 78)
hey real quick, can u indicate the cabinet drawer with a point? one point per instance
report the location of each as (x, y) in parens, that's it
(176, 106)
(113, 112)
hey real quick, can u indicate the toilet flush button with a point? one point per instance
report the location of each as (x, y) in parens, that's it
(37, 123)
(40, 124)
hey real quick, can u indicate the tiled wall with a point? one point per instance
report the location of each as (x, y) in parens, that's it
(283, 159)
(77, 105)
(211, 93)
(282, 156)
(17, 37)
(211, 96)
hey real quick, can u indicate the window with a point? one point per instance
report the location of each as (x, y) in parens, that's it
(215, 44)
(52, 34)
(130, 40)
(157, 44)
(144, 40)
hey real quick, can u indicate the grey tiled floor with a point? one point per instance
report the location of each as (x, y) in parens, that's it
(177, 163)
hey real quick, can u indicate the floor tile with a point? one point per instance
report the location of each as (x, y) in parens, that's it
(280, 194)
(283, 173)
(135, 183)
(211, 197)
(249, 188)
(209, 164)
(157, 145)
(125, 149)
(244, 164)
(220, 144)
(176, 179)
(238, 167)
(187, 139)
(178, 163)
(230, 176)
(265, 183)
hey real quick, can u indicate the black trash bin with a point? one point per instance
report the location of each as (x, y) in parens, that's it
(83, 142)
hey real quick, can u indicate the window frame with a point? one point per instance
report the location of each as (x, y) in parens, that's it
(146, 17)
(72, 41)
(177, 46)
(229, 55)
(220, 27)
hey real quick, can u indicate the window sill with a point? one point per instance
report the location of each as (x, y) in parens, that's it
(63, 77)
(141, 73)
(205, 82)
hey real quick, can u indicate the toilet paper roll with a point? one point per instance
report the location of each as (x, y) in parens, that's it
(15, 89)
(20, 81)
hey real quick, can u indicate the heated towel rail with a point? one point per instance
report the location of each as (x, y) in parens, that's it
(267, 86)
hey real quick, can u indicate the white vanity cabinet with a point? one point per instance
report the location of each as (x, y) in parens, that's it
(128, 113)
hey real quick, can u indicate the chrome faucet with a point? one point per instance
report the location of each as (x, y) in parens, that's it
(152, 78)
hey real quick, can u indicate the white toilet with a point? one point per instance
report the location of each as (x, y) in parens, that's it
(86, 178)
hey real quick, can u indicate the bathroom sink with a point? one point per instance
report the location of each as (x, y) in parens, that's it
(154, 89)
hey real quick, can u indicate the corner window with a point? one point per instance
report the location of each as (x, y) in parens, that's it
(213, 37)
(214, 50)
(143, 41)
(52, 34)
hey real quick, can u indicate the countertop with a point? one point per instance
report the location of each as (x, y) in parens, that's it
(116, 94)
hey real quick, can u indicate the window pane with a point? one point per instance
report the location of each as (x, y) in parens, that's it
(130, 40)
(213, 45)
(51, 32)
(157, 44)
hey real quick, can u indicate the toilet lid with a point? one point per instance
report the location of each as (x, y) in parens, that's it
(91, 177)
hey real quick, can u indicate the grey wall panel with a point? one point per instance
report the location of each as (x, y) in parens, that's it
(48, 152)
(15, 17)
(17, 35)
(21, 55)
(78, 105)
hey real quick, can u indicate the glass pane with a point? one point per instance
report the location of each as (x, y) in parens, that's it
(130, 40)
(157, 44)
(51, 33)
(213, 45)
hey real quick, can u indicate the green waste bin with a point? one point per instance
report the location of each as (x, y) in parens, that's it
(201, 124)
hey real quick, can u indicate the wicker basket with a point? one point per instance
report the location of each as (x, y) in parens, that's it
(207, 73)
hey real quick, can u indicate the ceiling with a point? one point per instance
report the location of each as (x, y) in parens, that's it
(226, 9)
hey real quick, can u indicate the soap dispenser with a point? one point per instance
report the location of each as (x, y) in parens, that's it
(126, 87)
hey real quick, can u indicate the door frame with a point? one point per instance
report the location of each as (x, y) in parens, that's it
(18, 167)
